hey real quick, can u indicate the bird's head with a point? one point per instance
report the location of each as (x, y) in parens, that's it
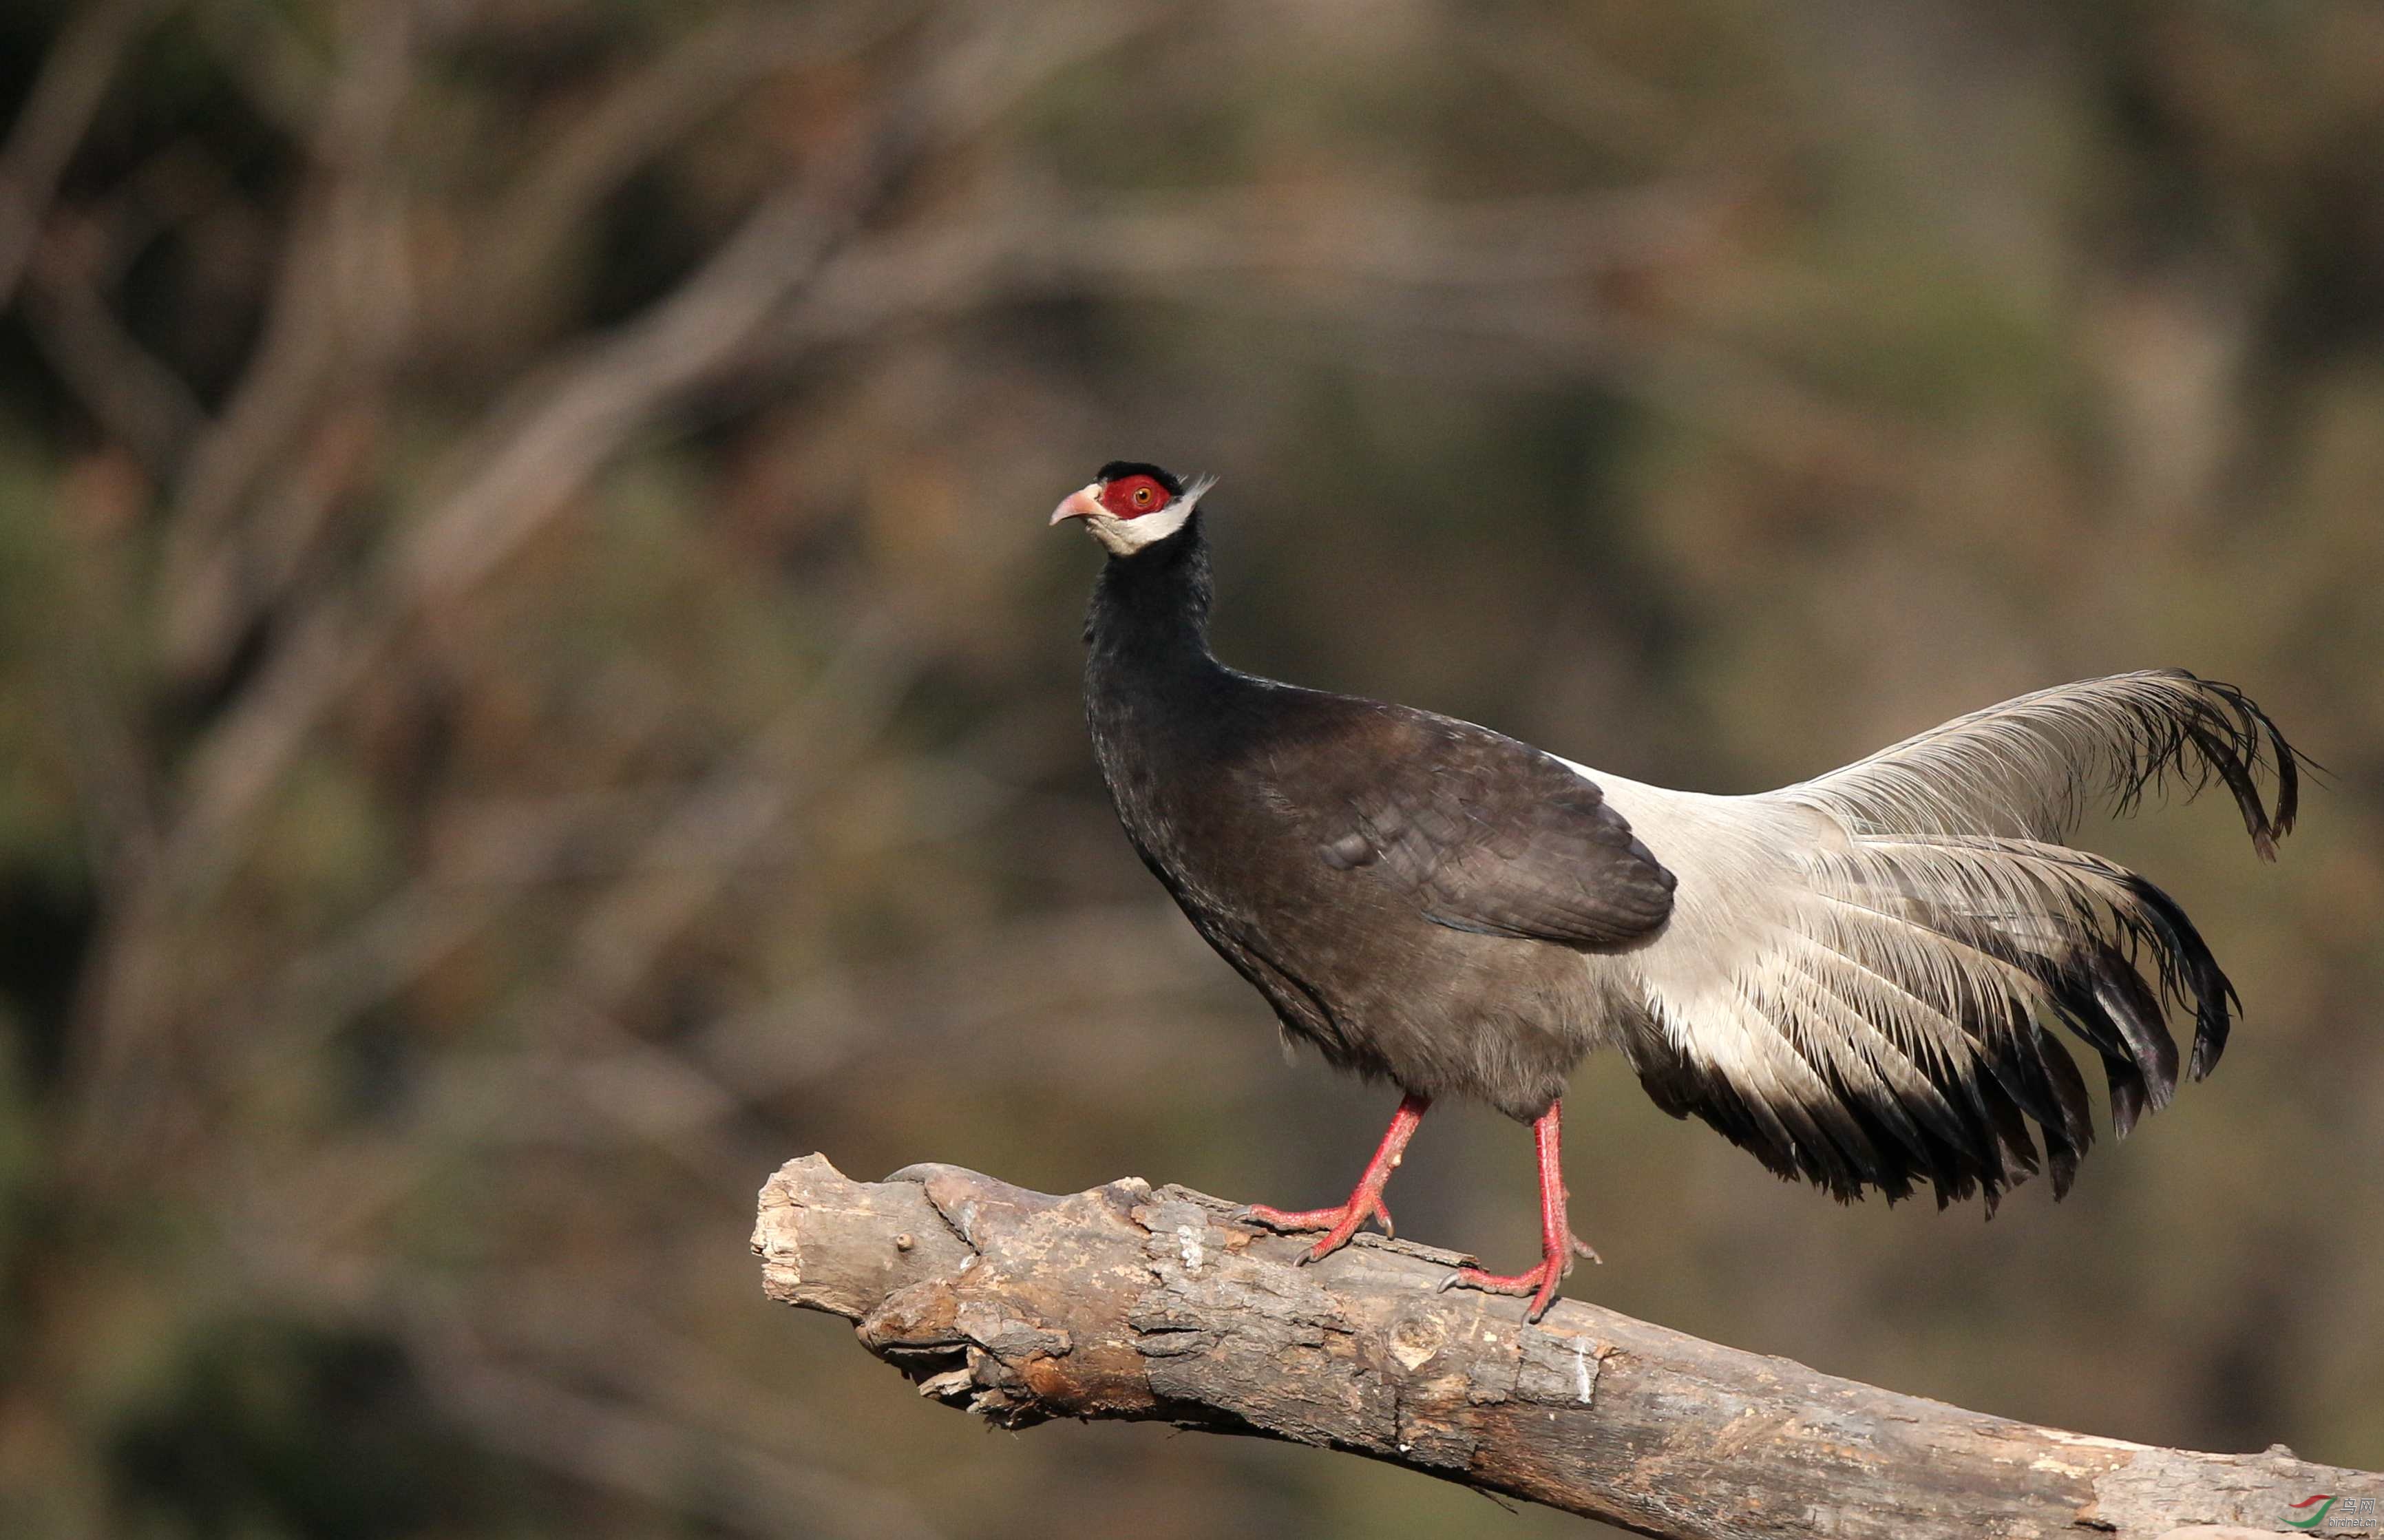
(1130, 507)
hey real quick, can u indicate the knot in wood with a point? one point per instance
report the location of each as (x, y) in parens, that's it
(1414, 1340)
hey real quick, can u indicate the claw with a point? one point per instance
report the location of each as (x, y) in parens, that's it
(1366, 1203)
(1540, 1282)
(1291, 1220)
(1558, 1245)
(1338, 1224)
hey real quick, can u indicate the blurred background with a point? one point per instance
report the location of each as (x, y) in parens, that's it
(534, 686)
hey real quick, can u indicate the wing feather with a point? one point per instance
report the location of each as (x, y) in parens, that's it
(1488, 835)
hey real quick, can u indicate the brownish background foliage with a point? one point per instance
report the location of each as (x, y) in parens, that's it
(534, 686)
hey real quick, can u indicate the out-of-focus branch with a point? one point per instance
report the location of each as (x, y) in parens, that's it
(543, 443)
(143, 405)
(337, 318)
(961, 992)
(1509, 273)
(1574, 86)
(124, 1017)
(57, 112)
(282, 75)
(692, 855)
(537, 452)
(638, 116)
(665, 859)
(1159, 1305)
(678, 872)
(627, 1447)
(1031, 246)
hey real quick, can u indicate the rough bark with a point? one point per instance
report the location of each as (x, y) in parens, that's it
(1157, 1303)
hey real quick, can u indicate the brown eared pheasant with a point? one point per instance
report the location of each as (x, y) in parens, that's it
(1855, 978)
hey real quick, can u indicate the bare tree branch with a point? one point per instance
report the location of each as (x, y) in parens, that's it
(1158, 1304)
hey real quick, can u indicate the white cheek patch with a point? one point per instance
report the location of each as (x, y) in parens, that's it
(1124, 537)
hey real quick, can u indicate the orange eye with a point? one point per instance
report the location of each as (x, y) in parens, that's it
(1142, 497)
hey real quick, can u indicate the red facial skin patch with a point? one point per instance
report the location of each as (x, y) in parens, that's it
(1133, 496)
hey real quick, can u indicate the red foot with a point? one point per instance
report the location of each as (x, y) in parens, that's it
(1558, 1245)
(1540, 1282)
(1339, 1224)
(1365, 1200)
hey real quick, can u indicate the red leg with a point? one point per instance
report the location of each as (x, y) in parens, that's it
(1558, 1245)
(1366, 1198)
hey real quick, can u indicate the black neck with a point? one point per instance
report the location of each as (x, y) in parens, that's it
(1153, 608)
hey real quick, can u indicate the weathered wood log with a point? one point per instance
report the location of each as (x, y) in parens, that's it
(1158, 1303)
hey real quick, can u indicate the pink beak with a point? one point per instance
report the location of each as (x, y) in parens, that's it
(1084, 502)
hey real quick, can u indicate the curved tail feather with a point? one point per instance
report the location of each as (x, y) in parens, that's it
(1865, 973)
(2031, 766)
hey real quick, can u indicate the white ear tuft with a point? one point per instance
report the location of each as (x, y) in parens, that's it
(1124, 537)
